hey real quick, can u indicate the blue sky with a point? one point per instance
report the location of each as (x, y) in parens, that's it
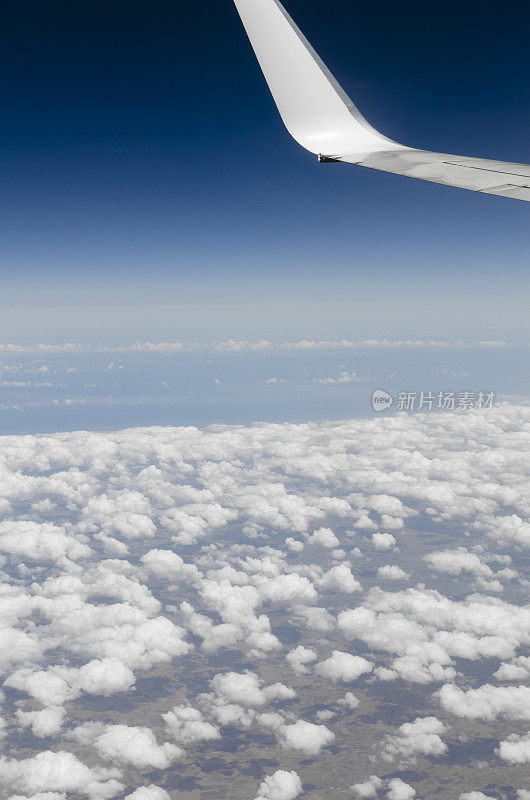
(148, 185)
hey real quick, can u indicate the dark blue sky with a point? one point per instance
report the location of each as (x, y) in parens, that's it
(143, 162)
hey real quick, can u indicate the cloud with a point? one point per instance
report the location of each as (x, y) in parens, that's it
(299, 658)
(248, 690)
(105, 676)
(421, 737)
(456, 562)
(392, 572)
(517, 670)
(187, 726)
(325, 538)
(57, 685)
(39, 796)
(318, 619)
(425, 630)
(344, 377)
(215, 637)
(151, 792)
(339, 579)
(343, 667)
(383, 541)
(45, 686)
(349, 701)
(58, 772)
(280, 786)
(238, 346)
(44, 723)
(487, 702)
(124, 744)
(167, 564)
(305, 737)
(39, 541)
(169, 554)
(399, 790)
(475, 796)
(294, 545)
(291, 588)
(515, 749)
(369, 789)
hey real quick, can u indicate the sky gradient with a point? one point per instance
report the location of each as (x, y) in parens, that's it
(225, 569)
(148, 184)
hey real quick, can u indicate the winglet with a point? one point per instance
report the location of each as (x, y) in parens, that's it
(321, 117)
(315, 109)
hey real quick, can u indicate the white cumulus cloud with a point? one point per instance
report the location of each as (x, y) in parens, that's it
(343, 667)
(306, 737)
(282, 785)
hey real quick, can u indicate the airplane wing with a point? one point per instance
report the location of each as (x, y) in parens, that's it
(321, 117)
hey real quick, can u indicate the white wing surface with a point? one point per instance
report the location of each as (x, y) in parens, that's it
(322, 118)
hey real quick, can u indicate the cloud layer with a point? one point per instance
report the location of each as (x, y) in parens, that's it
(169, 595)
